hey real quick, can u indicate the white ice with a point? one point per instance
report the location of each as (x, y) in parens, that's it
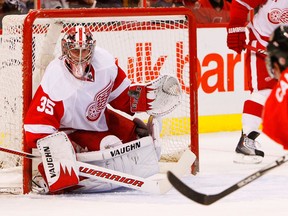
(266, 196)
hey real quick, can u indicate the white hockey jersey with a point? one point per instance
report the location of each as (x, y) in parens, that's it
(270, 15)
(62, 101)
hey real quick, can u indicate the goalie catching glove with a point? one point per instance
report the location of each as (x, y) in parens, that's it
(158, 97)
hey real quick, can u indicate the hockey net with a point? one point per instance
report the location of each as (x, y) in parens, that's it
(145, 42)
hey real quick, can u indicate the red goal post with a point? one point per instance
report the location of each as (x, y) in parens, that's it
(145, 41)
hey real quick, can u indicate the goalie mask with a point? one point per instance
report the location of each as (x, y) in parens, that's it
(77, 47)
(277, 50)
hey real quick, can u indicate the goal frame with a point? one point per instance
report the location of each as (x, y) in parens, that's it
(109, 12)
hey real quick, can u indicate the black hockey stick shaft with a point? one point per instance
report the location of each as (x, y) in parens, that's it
(19, 153)
(205, 199)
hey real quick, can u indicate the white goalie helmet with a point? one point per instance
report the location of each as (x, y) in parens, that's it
(77, 48)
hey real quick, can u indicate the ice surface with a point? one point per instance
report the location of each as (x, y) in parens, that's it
(266, 196)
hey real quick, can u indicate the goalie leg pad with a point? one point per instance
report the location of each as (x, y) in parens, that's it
(139, 162)
(142, 162)
(59, 161)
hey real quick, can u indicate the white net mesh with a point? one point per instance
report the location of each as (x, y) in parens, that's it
(11, 94)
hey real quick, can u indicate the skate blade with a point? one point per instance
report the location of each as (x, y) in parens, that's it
(247, 159)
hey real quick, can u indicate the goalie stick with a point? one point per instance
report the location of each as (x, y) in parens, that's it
(100, 155)
(149, 185)
(205, 199)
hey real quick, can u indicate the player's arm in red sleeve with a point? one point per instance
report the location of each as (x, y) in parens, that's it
(43, 117)
(275, 114)
(122, 102)
(239, 9)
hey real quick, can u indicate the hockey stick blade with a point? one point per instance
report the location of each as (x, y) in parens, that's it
(206, 199)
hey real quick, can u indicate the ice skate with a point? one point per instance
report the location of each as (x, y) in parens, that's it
(247, 150)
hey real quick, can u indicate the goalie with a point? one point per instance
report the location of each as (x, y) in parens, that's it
(73, 97)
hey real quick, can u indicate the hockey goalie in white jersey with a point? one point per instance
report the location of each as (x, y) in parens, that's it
(73, 97)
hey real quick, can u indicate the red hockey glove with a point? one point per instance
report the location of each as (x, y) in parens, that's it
(236, 38)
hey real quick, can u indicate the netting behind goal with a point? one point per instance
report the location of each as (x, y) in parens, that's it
(145, 43)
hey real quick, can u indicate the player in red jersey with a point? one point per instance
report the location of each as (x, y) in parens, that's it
(270, 15)
(275, 115)
(73, 97)
(209, 11)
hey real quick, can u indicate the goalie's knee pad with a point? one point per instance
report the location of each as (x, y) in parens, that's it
(109, 141)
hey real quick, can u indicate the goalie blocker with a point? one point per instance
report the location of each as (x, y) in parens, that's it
(158, 97)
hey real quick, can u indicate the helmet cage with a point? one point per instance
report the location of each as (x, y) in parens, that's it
(78, 54)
